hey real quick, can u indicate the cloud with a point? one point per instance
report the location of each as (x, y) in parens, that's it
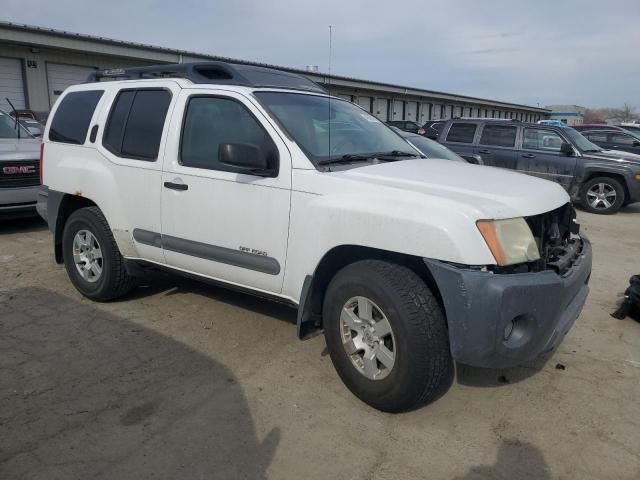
(575, 51)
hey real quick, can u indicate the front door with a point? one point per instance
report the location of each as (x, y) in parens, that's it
(540, 156)
(217, 220)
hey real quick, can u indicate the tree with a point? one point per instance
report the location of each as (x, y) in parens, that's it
(627, 112)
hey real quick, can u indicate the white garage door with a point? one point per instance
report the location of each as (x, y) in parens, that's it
(11, 84)
(411, 111)
(60, 76)
(397, 110)
(381, 109)
(436, 111)
(365, 102)
(423, 116)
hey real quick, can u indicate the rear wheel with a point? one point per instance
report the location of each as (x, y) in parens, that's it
(387, 336)
(602, 195)
(91, 256)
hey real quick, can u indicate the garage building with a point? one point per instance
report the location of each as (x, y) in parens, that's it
(37, 64)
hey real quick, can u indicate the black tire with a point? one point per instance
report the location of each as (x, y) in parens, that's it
(610, 183)
(113, 282)
(423, 368)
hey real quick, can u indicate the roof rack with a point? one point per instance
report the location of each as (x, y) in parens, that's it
(220, 73)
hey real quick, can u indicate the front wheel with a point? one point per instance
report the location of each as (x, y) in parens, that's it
(602, 195)
(92, 258)
(387, 336)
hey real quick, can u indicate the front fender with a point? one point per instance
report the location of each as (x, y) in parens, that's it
(321, 223)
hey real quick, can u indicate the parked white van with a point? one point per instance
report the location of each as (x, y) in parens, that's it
(257, 179)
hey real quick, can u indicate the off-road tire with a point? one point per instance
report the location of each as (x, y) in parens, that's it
(423, 368)
(114, 282)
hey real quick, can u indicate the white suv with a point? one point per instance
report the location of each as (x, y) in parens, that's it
(258, 179)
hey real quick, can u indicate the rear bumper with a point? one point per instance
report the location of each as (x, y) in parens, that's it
(18, 200)
(481, 307)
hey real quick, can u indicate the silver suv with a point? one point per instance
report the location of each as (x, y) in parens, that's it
(19, 168)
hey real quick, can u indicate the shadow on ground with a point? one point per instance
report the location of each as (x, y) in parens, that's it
(173, 284)
(85, 394)
(516, 460)
(21, 225)
(495, 377)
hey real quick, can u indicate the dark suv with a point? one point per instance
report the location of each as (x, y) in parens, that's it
(602, 181)
(614, 140)
(407, 126)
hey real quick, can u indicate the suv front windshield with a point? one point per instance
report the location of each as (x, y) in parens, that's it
(9, 129)
(580, 140)
(327, 129)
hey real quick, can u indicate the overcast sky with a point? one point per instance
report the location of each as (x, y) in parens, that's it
(544, 51)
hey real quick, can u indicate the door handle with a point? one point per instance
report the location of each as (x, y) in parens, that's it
(484, 151)
(176, 186)
(528, 155)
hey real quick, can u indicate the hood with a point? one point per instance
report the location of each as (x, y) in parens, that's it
(619, 155)
(23, 149)
(484, 192)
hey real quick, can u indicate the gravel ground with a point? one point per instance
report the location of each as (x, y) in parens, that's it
(184, 380)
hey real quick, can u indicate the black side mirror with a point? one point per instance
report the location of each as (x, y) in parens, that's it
(567, 149)
(636, 143)
(250, 158)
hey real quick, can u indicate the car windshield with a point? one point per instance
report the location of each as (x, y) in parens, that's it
(432, 149)
(8, 128)
(329, 128)
(580, 140)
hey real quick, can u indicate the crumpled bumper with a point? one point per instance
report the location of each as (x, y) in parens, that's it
(502, 320)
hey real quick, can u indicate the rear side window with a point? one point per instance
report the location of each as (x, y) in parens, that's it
(622, 139)
(71, 122)
(461, 132)
(135, 124)
(498, 135)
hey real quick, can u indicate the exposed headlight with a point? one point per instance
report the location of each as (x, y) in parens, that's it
(510, 241)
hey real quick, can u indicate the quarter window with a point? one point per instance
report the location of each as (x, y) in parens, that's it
(212, 121)
(539, 139)
(461, 132)
(135, 124)
(499, 136)
(72, 118)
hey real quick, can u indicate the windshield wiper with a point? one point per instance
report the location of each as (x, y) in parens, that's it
(361, 157)
(592, 150)
(350, 157)
(397, 153)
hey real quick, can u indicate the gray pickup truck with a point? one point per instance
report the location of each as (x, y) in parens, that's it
(601, 180)
(19, 168)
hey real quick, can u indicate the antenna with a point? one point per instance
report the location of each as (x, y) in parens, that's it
(329, 84)
(15, 112)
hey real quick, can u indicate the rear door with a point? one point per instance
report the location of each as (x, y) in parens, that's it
(460, 137)
(540, 156)
(497, 145)
(135, 133)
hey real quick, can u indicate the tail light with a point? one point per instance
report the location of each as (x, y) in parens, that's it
(41, 159)
(421, 131)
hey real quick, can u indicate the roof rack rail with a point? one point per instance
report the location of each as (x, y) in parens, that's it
(221, 73)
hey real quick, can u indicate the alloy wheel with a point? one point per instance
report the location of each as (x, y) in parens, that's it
(87, 256)
(601, 196)
(367, 338)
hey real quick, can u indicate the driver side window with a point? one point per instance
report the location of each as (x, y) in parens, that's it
(540, 139)
(212, 121)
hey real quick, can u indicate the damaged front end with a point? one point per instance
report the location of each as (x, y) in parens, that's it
(501, 316)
